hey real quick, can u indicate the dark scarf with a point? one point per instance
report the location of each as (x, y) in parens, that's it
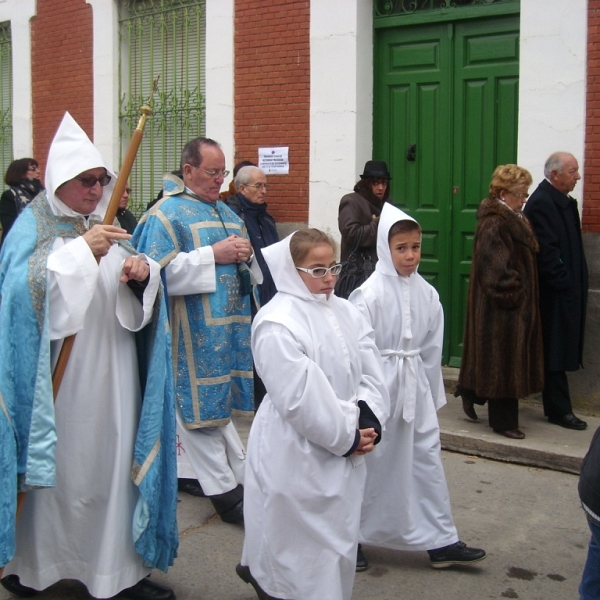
(262, 233)
(364, 189)
(25, 192)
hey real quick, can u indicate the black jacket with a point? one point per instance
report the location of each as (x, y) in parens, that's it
(563, 275)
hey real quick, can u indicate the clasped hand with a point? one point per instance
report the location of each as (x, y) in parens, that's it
(234, 249)
(367, 441)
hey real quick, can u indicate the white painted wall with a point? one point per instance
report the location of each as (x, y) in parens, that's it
(106, 79)
(552, 83)
(19, 13)
(219, 76)
(341, 103)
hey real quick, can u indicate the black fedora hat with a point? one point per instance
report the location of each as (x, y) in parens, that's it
(376, 168)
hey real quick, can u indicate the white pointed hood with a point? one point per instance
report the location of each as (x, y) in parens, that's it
(283, 270)
(71, 153)
(389, 215)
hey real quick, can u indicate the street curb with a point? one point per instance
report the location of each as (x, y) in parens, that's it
(508, 453)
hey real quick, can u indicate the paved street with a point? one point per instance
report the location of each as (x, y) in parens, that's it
(528, 519)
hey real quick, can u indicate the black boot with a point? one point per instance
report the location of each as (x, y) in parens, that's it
(230, 505)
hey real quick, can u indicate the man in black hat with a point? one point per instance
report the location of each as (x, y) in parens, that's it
(358, 219)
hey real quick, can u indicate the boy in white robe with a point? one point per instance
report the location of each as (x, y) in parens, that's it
(325, 405)
(406, 504)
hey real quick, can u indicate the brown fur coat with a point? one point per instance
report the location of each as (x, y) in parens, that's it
(502, 354)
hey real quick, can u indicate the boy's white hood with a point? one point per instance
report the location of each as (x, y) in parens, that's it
(389, 215)
(71, 153)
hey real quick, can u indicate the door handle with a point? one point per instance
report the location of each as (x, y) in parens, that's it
(411, 153)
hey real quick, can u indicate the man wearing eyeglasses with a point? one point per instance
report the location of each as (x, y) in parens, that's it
(203, 248)
(86, 517)
(250, 205)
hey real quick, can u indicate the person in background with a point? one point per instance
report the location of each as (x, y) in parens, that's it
(502, 358)
(563, 280)
(23, 179)
(406, 504)
(126, 218)
(358, 218)
(232, 190)
(249, 204)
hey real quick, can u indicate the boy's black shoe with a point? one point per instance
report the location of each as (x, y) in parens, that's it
(362, 564)
(455, 554)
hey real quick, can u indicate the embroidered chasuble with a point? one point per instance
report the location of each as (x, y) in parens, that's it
(212, 359)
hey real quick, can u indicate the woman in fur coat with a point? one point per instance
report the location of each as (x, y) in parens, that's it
(502, 356)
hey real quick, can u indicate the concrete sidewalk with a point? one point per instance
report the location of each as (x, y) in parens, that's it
(545, 445)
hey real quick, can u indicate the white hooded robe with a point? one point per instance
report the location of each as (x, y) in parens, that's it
(406, 504)
(302, 498)
(82, 528)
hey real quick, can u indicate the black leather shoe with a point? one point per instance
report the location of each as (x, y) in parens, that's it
(456, 554)
(147, 590)
(234, 515)
(190, 486)
(13, 584)
(245, 575)
(569, 421)
(513, 434)
(362, 564)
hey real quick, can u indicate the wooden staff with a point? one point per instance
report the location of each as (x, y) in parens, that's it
(109, 217)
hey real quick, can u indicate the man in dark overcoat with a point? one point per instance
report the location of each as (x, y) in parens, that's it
(563, 278)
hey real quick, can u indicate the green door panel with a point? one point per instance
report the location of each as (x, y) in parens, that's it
(484, 135)
(451, 91)
(413, 108)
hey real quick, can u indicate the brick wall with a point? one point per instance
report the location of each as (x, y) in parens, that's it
(272, 95)
(62, 77)
(591, 204)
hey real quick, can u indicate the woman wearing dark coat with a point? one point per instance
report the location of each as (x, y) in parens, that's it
(23, 179)
(502, 357)
(358, 218)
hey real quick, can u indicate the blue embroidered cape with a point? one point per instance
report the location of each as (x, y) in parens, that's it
(211, 331)
(27, 428)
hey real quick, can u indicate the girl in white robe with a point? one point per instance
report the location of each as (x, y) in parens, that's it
(406, 504)
(305, 470)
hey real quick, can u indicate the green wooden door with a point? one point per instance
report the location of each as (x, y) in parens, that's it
(445, 115)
